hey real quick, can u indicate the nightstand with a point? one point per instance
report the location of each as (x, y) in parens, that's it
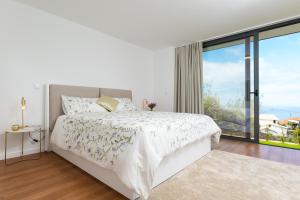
(22, 132)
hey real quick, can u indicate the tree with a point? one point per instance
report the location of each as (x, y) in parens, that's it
(296, 135)
(281, 138)
(268, 134)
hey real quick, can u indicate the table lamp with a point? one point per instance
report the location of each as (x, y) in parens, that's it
(23, 107)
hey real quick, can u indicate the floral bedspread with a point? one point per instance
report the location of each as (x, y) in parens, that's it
(131, 142)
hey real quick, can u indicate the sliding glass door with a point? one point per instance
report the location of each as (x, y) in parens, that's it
(228, 79)
(251, 85)
(280, 86)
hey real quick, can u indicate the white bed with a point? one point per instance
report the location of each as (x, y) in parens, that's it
(169, 165)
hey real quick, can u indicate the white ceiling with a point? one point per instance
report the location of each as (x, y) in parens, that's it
(156, 24)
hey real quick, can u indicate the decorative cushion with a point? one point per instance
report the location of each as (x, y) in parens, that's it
(125, 104)
(75, 105)
(108, 103)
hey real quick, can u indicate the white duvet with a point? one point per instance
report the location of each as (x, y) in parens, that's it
(131, 143)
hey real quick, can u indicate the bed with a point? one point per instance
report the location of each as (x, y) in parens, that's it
(139, 180)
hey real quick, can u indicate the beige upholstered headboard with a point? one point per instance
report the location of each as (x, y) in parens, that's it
(56, 91)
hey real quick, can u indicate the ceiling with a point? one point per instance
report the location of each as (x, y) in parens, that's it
(156, 24)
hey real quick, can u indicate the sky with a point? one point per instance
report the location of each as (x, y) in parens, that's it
(224, 73)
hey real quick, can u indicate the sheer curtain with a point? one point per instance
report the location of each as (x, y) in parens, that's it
(188, 79)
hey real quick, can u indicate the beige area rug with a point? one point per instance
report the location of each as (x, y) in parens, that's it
(226, 176)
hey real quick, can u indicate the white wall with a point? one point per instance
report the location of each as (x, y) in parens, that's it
(36, 47)
(164, 65)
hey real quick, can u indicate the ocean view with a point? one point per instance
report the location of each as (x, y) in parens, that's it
(281, 112)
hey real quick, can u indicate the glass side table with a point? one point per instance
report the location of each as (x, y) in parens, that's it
(22, 132)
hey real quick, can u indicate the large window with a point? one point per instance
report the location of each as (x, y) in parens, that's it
(252, 85)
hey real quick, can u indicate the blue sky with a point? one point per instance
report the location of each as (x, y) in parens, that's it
(279, 72)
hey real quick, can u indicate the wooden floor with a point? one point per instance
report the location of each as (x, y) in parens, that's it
(283, 155)
(52, 177)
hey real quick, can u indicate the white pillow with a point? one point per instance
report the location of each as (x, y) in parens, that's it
(125, 104)
(75, 105)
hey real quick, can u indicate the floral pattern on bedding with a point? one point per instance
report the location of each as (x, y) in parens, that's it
(102, 137)
(100, 141)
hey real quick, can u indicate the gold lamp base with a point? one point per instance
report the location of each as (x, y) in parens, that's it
(23, 107)
(15, 127)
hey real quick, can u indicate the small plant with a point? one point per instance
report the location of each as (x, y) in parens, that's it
(151, 105)
(268, 134)
(296, 135)
(281, 138)
(290, 139)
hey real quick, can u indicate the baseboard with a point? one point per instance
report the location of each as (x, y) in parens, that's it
(15, 154)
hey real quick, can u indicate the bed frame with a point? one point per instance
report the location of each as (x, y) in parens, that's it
(170, 165)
